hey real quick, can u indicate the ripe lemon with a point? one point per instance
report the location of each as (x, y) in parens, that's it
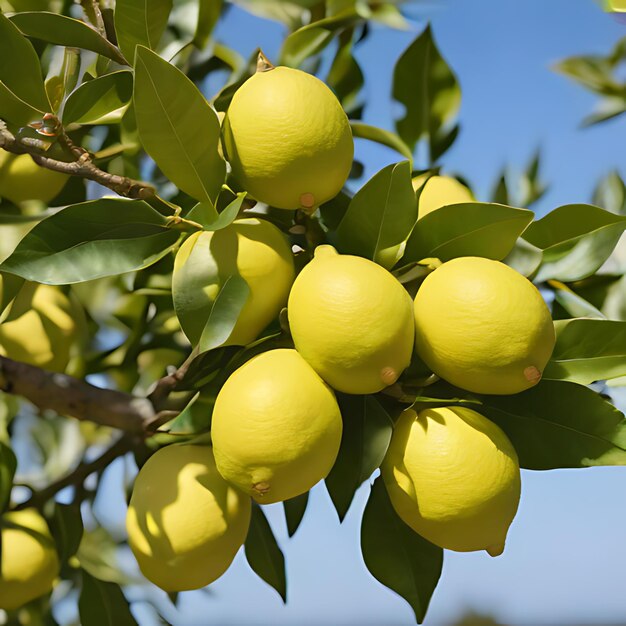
(453, 476)
(287, 139)
(41, 336)
(276, 427)
(250, 247)
(29, 564)
(438, 191)
(22, 179)
(483, 327)
(352, 321)
(185, 523)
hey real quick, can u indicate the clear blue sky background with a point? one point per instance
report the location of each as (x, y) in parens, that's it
(564, 559)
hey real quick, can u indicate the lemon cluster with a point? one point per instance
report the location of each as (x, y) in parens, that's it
(451, 474)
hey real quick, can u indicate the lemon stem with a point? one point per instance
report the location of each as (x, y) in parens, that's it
(262, 63)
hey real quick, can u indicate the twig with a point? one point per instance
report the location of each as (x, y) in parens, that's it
(82, 165)
(70, 396)
(167, 384)
(78, 476)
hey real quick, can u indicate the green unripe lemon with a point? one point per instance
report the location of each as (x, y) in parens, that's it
(352, 321)
(185, 523)
(252, 248)
(453, 476)
(287, 139)
(438, 191)
(29, 564)
(41, 336)
(483, 327)
(22, 179)
(276, 427)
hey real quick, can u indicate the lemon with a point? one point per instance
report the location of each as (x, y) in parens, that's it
(352, 321)
(185, 523)
(29, 562)
(483, 327)
(453, 476)
(438, 191)
(276, 427)
(250, 247)
(22, 179)
(287, 139)
(41, 336)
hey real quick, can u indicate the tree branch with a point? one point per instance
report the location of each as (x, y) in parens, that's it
(82, 165)
(70, 396)
(79, 475)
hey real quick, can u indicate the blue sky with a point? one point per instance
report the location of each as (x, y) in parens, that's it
(564, 556)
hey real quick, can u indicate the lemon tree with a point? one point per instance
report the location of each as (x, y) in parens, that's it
(198, 285)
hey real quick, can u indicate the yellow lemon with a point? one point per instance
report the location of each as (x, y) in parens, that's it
(250, 247)
(29, 564)
(276, 427)
(185, 523)
(22, 179)
(287, 139)
(483, 327)
(352, 321)
(41, 336)
(438, 191)
(453, 476)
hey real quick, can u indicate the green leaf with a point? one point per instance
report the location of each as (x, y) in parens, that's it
(140, 23)
(610, 193)
(205, 214)
(263, 553)
(575, 305)
(588, 350)
(295, 509)
(209, 12)
(576, 240)
(16, 111)
(195, 417)
(103, 604)
(313, 38)
(224, 312)
(177, 126)
(66, 31)
(8, 465)
(20, 71)
(102, 100)
(524, 258)
(345, 77)
(67, 529)
(560, 424)
(381, 136)
(467, 229)
(90, 240)
(380, 216)
(428, 89)
(396, 556)
(367, 430)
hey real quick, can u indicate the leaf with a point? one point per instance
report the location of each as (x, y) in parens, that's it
(8, 465)
(177, 126)
(576, 240)
(428, 89)
(381, 136)
(209, 12)
(524, 258)
(367, 430)
(224, 312)
(467, 229)
(345, 77)
(588, 350)
(20, 71)
(560, 424)
(396, 556)
(67, 529)
(295, 509)
(103, 100)
(16, 111)
(263, 553)
(90, 240)
(610, 193)
(205, 214)
(66, 31)
(313, 38)
(195, 417)
(103, 604)
(140, 23)
(380, 216)
(573, 303)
